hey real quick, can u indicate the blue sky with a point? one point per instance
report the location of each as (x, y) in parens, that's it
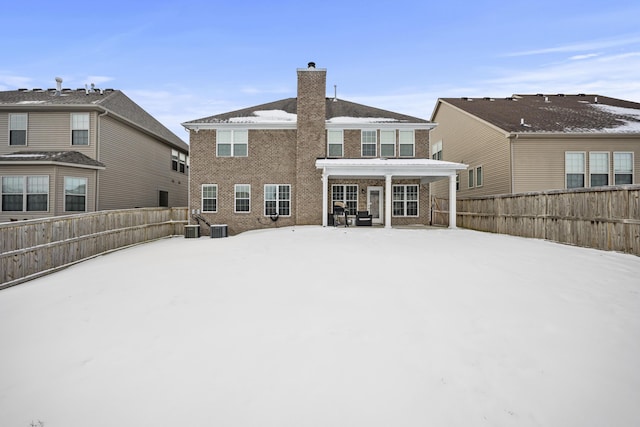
(182, 60)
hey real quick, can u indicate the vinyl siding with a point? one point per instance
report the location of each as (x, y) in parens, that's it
(470, 141)
(56, 176)
(48, 131)
(539, 163)
(137, 168)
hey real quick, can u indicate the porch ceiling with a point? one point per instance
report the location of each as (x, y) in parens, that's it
(426, 170)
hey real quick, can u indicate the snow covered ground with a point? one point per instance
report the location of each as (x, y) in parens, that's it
(313, 326)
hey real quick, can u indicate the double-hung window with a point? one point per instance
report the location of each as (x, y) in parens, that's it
(80, 129)
(574, 169)
(407, 143)
(75, 194)
(369, 143)
(479, 177)
(18, 129)
(436, 151)
(232, 143)
(405, 200)
(335, 143)
(182, 167)
(25, 193)
(277, 199)
(174, 160)
(387, 143)
(209, 198)
(471, 178)
(242, 198)
(623, 168)
(598, 169)
(347, 194)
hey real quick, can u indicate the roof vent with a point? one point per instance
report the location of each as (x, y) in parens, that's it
(311, 65)
(58, 85)
(561, 95)
(546, 99)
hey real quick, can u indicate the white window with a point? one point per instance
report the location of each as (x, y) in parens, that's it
(209, 198)
(369, 143)
(405, 200)
(598, 169)
(574, 169)
(232, 143)
(436, 151)
(335, 143)
(18, 129)
(407, 143)
(75, 194)
(623, 168)
(387, 143)
(80, 129)
(25, 193)
(182, 163)
(471, 178)
(174, 160)
(347, 194)
(479, 177)
(277, 200)
(242, 198)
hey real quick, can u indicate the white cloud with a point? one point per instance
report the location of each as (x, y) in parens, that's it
(12, 82)
(587, 56)
(581, 47)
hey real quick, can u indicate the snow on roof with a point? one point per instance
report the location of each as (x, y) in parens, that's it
(37, 156)
(360, 120)
(629, 118)
(266, 116)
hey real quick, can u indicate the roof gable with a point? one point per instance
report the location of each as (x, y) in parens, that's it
(554, 113)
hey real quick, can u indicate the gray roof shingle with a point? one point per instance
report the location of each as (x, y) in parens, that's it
(554, 113)
(67, 157)
(334, 108)
(111, 100)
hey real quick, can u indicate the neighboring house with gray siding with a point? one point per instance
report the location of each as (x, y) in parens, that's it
(288, 162)
(65, 151)
(538, 142)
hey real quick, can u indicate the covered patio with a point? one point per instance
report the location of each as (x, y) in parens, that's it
(426, 170)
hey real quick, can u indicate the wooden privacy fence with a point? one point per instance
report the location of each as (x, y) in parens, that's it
(29, 249)
(605, 218)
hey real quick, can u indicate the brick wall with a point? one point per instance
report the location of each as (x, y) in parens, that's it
(271, 160)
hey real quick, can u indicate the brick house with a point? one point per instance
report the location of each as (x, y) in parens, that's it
(527, 143)
(65, 151)
(288, 162)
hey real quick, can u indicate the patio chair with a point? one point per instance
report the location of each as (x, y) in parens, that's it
(363, 218)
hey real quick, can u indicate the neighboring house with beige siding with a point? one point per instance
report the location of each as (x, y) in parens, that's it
(538, 142)
(289, 162)
(65, 151)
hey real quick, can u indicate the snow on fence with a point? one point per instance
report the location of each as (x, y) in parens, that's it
(605, 218)
(29, 249)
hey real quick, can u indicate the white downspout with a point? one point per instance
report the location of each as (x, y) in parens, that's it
(387, 202)
(97, 199)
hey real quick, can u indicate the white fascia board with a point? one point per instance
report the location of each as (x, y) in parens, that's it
(380, 125)
(214, 126)
(402, 168)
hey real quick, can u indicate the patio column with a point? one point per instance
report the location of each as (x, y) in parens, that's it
(387, 202)
(325, 190)
(452, 201)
